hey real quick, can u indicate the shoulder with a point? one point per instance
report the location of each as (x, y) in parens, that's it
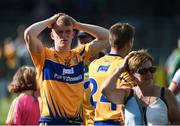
(94, 63)
(176, 78)
(48, 49)
(177, 73)
(170, 97)
(15, 101)
(80, 49)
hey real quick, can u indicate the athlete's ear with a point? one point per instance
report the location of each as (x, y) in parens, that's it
(75, 33)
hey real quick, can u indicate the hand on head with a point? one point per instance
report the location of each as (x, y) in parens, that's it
(63, 17)
(124, 66)
(53, 19)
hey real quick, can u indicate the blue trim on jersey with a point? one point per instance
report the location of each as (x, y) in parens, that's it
(110, 54)
(57, 115)
(50, 112)
(103, 68)
(62, 73)
(86, 84)
(82, 52)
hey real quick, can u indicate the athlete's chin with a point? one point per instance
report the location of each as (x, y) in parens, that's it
(64, 46)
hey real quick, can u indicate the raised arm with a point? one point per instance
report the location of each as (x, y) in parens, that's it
(108, 89)
(31, 34)
(101, 34)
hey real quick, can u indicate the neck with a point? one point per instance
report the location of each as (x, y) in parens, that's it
(62, 50)
(121, 52)
(146, 90)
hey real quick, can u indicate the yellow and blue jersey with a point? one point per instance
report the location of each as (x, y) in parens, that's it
(60, 80)
(99, 70)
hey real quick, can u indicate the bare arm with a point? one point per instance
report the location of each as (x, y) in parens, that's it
(109, 89)
(101, 35)
(175, 83)
(31, 34)
(173, 108)
(174, 88)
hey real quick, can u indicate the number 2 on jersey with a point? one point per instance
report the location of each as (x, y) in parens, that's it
(94, 90)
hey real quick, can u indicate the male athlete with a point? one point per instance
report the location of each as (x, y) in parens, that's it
(121, 37)
(60, 70)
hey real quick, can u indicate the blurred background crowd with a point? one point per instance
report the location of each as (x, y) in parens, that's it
(157, 24)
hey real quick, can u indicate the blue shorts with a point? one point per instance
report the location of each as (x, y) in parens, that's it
(107, 122)
(60, 121)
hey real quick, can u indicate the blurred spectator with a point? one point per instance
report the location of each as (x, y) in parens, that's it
(84, 38)
(10, 55)
(173, 62)
(10, 59)
(175, 85)
(160, 76)
(24, 109)
(21, 50)
(3, 72)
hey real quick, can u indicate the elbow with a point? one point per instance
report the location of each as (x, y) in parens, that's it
(105, 38)
(27, 35)
(103, 35)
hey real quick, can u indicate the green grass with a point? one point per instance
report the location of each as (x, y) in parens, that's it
(4, 108)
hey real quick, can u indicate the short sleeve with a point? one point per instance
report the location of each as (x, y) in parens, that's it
(85, 52)
(12, 112)
(176, 77)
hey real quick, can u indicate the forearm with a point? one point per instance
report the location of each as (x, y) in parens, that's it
(36, 28)
(98, 32)
(34, 44)
(31, 34)
(110, 84)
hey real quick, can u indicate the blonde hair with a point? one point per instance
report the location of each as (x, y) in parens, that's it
(65, 19)
(137, 58)
(23, 79)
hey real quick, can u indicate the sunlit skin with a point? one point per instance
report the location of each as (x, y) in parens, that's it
(62, 33)
(174, 88)
(62, 36)
(146, 91)
(144, 80)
